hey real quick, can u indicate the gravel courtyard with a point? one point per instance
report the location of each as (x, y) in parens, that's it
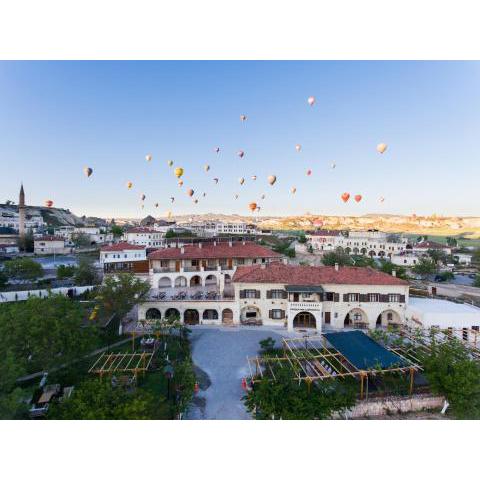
(220, 355)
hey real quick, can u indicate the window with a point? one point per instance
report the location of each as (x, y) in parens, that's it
(389, 316)
(373, 297)
(306, 295)
(252, 294)
(277, 314)
(353, 297)
(277, 294)
(393, 298)
(241, 261)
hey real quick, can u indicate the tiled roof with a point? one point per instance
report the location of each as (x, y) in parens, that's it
(119, 247)
(278, 272)
(429, 244)
(220, 250)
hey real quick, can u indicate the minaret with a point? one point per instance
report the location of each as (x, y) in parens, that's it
(21, 214)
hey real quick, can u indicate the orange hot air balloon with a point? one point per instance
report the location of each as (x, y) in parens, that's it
(241, 153)
(311, 101)
(357, 198)
(129, 185)
(381, 147)
(178, 172)
(345, 197)
(272, 179)
(180, 183)
(190, 192)
(252, 206)
(49, 203)
(87, 171)
(298, 147)
(309, 172)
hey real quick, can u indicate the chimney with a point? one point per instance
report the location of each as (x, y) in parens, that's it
(285, 261)
(229, 243)
(263, 266)
(182, 250)
(243, 243)
(200, 245)
(394, 273)
(214, 243)
(336, 267)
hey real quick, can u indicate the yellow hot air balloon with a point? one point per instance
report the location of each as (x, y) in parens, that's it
(241, 181)
(87, 171)
(129, 185)
(206, 168)
(148, 157)
(272, 179)
(381, 147)
(170, 163)
(169, 214)
(178, 172)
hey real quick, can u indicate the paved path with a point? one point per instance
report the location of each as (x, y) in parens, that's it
(220, 354)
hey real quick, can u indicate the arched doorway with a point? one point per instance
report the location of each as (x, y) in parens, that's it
(304, 320)
(195, 281)
(180, 282)
(381, 253)
(228, 279)
(191, 317)
(210, 314)
(356, 318)
(250, 315)
(372, 253)
(211, 281)
(172, 313)
(165, 282)
(227, 316)
(388, 318)
(355, 251)
(348, 250)
(363, 251)
(153, 314)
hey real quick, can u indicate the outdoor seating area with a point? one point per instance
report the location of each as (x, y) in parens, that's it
(190, 294)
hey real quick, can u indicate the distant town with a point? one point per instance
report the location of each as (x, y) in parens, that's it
(320, 298)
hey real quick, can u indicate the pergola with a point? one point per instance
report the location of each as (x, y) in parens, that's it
(111, 363)
(315, 358)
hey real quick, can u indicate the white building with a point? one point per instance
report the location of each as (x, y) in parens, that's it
(50, 244)
(11, 219)
(123, 257)
(145, 236)
(212, 229)
(96, 235)
(9, 249)
(463, 258)
(422, 248)
(406, 260)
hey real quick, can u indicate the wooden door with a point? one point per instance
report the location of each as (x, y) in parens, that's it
(327, 317)
(230, 263)
(177, 266)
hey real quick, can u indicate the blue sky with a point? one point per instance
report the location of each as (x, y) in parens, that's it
(57, 117)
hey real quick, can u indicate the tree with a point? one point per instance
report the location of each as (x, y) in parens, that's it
(26, 244)
(438, 256)
(389, 267)
(116, 230)
(3, 280)
(65, 271)
(302, 238)
(331, 258)
(85, 273)
(81, 239)
(425, 266)
(119, 294)
(23, 269)
(267, 345)
(41, 334)
(95, 399)
(452, 241)
(288, 399)
(476, 282)
(451, 371)
(363, 261)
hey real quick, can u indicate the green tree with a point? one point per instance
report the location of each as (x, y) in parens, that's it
(267, 345)
(81, 239)
(288, 399)
(451, 371)
(95, 399)
(425, 266)
(389, 267)
(65, 271)
(476, 282)
(11, 405)
(363, 261)
(302, 238)
(331, 258)
(3, 280)
(26, 243)
(23, 269)
(41, 334)
(85, 273)
(116, 230)
(438, 256)
(119, 294)
(452, 241)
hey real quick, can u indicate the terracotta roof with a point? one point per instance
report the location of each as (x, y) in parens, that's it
(429, 244)
(278, 272)
(119, 247)
(49, 238)
(220, 250)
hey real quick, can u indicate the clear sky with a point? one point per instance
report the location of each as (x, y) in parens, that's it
(57, 117)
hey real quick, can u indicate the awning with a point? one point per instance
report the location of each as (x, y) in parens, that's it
(304, 288)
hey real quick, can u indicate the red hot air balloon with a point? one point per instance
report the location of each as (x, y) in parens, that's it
(49, 203)
(309, 172)
(345, 197)
(357, 198)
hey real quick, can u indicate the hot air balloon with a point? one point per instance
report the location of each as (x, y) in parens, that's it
(142, 196)
(309, 172)
(87, 171)
(252, 206)
(170, 163)
(217, 149)
(333, 165)
(243, 118)
(49, 203)
(381, 147)
(263, 196)
(381, 199)
(241, 181)
(215, 180)
(298, 147)
(254, 177)
(129, 185)
(148, 157)
(357, 198)
(311, 101)
(180, 183)
(190, 192)
(156, 205)
(258, 209)
(241, 153)
(206, 168)
(172, 199)
(293, 190)
(204, 194)
(142, 206)
(178, 172)
(272, 179)
(236, 196)
(196, 200)
(345, 197)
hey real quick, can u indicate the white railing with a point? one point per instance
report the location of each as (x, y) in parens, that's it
(305, 306)
(26, 294)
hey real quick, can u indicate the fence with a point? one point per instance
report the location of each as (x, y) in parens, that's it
(26, 294)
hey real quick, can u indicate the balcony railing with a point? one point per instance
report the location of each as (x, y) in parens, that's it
(191, 269)
(163, 270)
(299, 306)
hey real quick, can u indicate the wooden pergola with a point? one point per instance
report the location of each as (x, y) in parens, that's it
(312, 358)
(112, 363)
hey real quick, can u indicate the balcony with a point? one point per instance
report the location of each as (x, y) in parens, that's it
(191, 269)
(163, 270)
(309, 306)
